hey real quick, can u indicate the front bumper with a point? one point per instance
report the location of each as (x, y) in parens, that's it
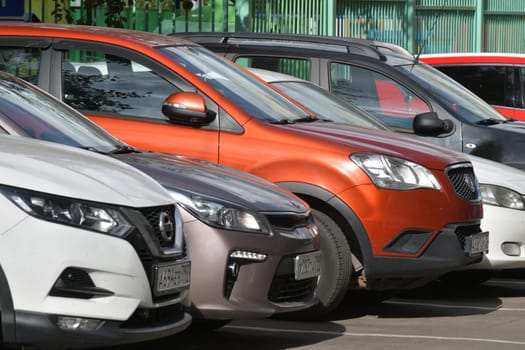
(28, 308)
(446, 252)
(505, 226)
(260, 289)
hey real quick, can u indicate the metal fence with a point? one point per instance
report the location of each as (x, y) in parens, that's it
(430, 26)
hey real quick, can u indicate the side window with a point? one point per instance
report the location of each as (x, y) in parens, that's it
(488, 82)
(98, 82)
(381, 96)
(22, 62)
(292, 66)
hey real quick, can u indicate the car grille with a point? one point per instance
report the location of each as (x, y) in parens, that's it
(464, 182)
(148, 230)
(285, 288)
(464, 231)
(289, 222)
(153, 215)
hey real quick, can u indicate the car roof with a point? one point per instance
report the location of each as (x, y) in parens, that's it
(474, 57)
(103, 34)
(316, 44)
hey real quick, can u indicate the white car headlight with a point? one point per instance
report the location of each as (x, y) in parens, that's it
(221, 214)
(69, 211)
(395, 173)
(502, 197)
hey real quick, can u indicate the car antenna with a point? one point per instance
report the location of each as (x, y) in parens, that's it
(429, 33)
(224, 41)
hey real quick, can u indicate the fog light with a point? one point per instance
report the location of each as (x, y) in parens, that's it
(511, 248)
(244, 255)
(77, 323)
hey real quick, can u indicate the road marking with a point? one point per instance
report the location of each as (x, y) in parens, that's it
(449, 306)
(377, 335)
(446, 306)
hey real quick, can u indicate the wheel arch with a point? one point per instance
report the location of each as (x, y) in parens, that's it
(339, 211)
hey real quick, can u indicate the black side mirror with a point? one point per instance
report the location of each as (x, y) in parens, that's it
(428, 124)
(187, 108)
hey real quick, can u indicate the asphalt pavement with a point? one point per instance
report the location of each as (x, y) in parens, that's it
(439, 316)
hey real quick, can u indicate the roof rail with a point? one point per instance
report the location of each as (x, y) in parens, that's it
(353, 46)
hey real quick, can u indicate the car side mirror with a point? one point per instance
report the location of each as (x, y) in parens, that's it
(428, 124)
(187, 108)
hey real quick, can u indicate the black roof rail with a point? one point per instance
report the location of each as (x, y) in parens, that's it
(354, 46)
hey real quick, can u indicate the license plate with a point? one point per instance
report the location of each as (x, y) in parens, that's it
(477, 243)
(172, 277)
(307, 265)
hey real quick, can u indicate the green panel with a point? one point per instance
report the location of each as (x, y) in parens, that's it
(445, 31)
(375, 20)
(430, 25)
(497, 38)
(284, 16)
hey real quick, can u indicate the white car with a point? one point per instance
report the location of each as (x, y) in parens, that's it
(503, 187)
(81, 260)
(503, 192)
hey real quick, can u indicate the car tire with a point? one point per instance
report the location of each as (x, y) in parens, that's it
(336, 264)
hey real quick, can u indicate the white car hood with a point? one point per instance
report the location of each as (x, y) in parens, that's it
(494, 173)
(76, 173)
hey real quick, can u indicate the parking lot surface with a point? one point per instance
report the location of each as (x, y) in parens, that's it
(439, 316)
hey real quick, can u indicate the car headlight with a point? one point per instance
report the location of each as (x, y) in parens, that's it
(69, 211)
(395, 173)
(502, 197)
(221, 214)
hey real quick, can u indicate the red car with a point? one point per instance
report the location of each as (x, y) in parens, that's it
(498, 78)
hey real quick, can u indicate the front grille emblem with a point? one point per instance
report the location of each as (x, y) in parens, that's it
(166, 227)
(469, 182)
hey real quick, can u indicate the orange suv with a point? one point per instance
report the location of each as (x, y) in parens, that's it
(392, 212)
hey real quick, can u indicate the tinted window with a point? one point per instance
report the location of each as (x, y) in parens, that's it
(377, 94)
(328, 106)
(97, 82)
(488, 82)
(22, 62)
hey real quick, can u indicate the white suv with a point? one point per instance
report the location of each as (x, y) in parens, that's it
(91, 250)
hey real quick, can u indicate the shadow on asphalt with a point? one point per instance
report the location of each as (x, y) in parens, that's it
(249, 334)
(437, 299)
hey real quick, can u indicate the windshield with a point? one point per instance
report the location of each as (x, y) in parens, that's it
(328, 106)
(454, 96)
(245, 91)
(37, 115)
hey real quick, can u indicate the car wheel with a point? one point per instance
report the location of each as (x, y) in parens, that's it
(336, 264)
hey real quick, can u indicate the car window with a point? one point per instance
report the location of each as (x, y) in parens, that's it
(328, 106)
(22, 62)
(488, 82)
(30, 112)
(98, 82)
(293, 66)
(377, 94)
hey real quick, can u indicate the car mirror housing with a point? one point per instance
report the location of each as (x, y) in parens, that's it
(428, 123)
(187, 108)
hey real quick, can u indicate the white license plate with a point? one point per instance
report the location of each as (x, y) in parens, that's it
(172, 277)
(477, 243)
(307, 265)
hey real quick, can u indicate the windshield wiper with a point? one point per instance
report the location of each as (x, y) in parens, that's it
(306, 119)
(491, 121)
(123, 150)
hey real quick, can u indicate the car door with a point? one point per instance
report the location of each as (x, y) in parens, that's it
(123, 92)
